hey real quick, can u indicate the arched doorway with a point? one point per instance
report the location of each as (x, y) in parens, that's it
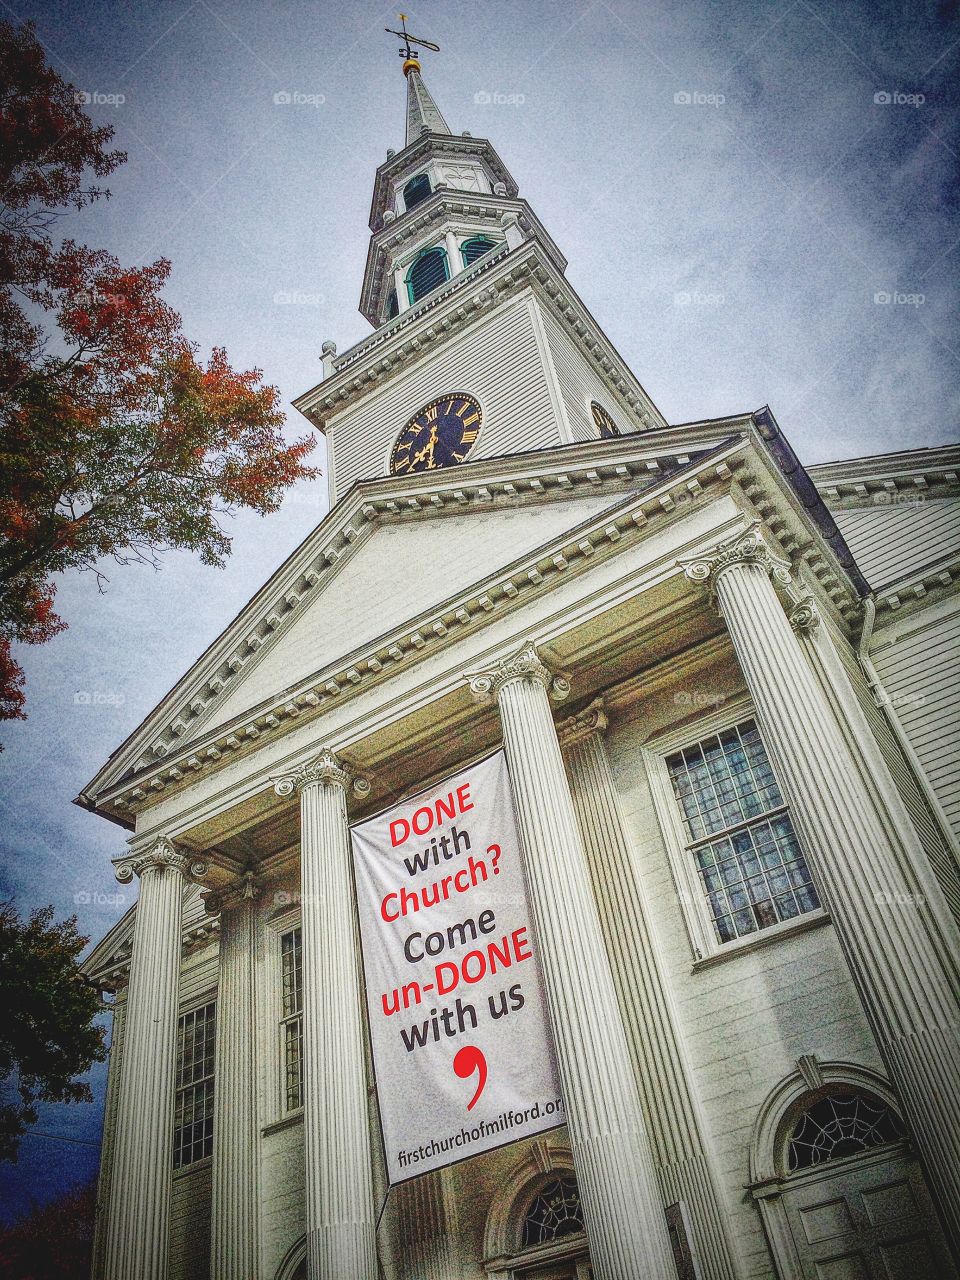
(535, 1228)
(840, 1192)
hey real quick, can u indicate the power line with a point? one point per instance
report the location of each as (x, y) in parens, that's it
(60, 1137)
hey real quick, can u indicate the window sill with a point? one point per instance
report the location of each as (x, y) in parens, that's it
(185, 1170)
(288, 1122)
(765, 938)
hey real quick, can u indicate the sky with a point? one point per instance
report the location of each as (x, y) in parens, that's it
(758, 202)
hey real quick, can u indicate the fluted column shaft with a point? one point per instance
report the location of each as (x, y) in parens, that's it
(425, 1244)
(611, 1152)
(341, 1235)
(235, 1214)
(666, 1094)
(139, 1230)
(903, 964)
(111, 1102)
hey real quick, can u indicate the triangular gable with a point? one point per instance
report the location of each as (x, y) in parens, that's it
(399, 572)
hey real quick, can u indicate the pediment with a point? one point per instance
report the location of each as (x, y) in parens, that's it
(402, 566)
(402, 570)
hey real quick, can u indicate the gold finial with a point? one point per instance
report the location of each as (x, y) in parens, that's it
(411, 61)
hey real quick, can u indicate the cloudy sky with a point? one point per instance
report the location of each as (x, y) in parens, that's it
(758, 202)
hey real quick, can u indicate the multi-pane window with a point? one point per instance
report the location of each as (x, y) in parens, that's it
(291, 1017)
(193, 1108)
(555, 1212)
(747, 855)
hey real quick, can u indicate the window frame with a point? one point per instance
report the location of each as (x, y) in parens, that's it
(692, 899)
(473, 236)
(431, 188)
(275, 1110)
(423, 253)
(207, 1000)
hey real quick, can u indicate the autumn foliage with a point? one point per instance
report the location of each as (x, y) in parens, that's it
(116, 439)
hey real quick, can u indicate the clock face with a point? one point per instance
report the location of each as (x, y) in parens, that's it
(604, 423)
(440, 435)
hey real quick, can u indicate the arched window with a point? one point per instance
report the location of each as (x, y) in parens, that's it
(606, 427)
(475, 248)
(427, 273)
(416, 189)
(843, 1122)
(555, 1212)
(393, 306)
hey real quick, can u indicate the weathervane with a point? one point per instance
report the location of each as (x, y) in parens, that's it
(408, 53)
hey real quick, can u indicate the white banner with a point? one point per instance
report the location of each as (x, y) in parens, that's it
(462, 1048)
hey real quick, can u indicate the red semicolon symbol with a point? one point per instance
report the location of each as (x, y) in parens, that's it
(470, 1059)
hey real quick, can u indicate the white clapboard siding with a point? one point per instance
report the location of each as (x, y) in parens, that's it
(579, 384)
(926, 824)
(891, 541)
(498, 361)
(917, 661)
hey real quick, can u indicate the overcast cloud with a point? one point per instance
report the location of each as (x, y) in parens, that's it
(738, 188)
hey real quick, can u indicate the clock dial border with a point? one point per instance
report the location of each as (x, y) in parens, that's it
(470, 418)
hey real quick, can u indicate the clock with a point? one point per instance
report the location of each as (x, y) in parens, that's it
(440, 435)
(604, 423)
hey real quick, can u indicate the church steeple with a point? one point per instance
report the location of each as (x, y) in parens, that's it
(423, 114)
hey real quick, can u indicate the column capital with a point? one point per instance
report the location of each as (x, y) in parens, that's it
(591, 720)
(804, 617)
(162, 855)
(525, 664)
(747, 547)
(325, 767)
(243, 888)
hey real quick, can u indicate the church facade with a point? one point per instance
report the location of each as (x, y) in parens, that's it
(726, 688)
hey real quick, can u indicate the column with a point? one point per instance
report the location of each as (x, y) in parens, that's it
(666, 1094)
(423, 1230)
(139, 1228)
(111, 1101)
(454, 256)
(341, 1235)
(235, 1213)
(611, 1152)
(903, 961)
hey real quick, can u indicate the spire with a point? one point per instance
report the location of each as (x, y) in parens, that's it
(423, 114)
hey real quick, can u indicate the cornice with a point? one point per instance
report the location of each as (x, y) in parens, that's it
(423, 222)
(889, 478)
(134, 778)
(433, 143)
(501, 592)
(444, 313)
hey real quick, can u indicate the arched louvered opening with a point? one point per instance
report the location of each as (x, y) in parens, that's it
(416, 189)
(393, 305)
(475, 248)
(428, 272)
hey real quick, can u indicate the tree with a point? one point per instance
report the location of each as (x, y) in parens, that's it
(54, 1242)
(115, 438)
(48, 1036)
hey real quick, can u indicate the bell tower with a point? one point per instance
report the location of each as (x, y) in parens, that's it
(480, 346)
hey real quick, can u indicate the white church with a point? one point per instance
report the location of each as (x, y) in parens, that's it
(726, 689)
